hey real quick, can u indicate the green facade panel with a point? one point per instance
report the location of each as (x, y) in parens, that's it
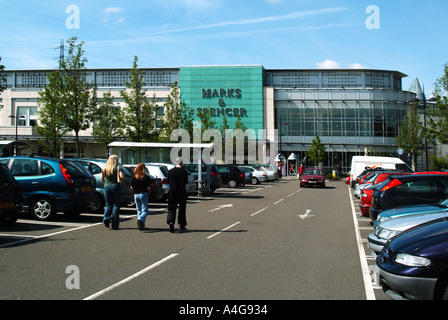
(229, 90)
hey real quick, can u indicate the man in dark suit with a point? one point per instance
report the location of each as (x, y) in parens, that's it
(177, 196)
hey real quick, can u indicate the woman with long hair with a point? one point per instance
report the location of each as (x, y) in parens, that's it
(112, 176)
(140, 185)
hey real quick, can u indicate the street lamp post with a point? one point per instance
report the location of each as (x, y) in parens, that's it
(17, 138)
(422, 104)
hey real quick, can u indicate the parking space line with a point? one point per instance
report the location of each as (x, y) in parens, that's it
(278, 201)
(255, 213)
(362, 256)
(225, 229)
(135, 275)
(48, 235)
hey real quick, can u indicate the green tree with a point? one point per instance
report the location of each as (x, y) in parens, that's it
(79, 96)
(317, 151)
(411, 135)
(107, 121)
(177, 114)
(141, 115)
(438, 115)
(51, 113)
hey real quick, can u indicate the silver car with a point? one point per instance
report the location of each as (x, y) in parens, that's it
(390, 228)
(161, 171)
(258, 175)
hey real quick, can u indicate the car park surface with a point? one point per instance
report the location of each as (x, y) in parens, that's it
(274, 242)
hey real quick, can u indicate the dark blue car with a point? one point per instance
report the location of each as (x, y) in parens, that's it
(50, 185)
(414, 264)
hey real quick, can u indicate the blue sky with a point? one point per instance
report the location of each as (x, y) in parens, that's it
(411, 36)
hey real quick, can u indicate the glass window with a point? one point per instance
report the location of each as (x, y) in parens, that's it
(95, 169)
(24, 167)
(46, 168)
(27, 116)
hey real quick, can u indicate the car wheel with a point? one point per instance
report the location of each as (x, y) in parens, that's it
(232, 183)
(99, 205)
(255, 181)
(42, 209)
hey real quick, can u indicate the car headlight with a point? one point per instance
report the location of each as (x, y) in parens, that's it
(412, 261)
(381, 218)
(385, 233)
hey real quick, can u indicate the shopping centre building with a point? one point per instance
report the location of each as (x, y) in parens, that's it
(353, 111)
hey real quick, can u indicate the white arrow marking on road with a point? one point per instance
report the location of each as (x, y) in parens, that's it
(222, 206)
(306, 215)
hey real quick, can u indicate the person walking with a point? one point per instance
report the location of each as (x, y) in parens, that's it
(140, 185)
(112, 176)
(338, 171)
(177, 196)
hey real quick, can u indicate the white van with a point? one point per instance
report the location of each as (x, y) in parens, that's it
(360, 163)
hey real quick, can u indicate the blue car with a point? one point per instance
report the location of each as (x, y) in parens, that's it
(414, 264)
(408, 210)
(51, 185)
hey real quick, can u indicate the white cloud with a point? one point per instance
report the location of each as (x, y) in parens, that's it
(328, 64)
(356, 65)
(111, 13)
(110, 10)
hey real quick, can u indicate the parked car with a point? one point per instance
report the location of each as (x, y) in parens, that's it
(371, 178)
(162, 173)
(215, 176)
(360, 164)
(157, 193)
(366, 193)
(11, 199)
(95, 166)
(52, 185)
(412, 189)
(231, 175)
(191, 186)
(392, 227)
(271, 170)
(312, 177)
(414, 264)
(258, 175)
(410, 210)
(247, 175)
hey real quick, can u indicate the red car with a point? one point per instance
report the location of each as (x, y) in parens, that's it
(312, 177)
(366, 193)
